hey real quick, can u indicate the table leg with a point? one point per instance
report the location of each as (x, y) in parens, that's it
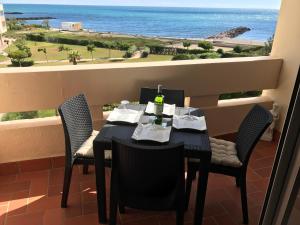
(201, 191)
(100, 183)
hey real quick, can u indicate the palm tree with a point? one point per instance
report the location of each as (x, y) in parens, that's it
(46, 24)
(91, 48)
(62, 48)
(73, 57)
(44, 50)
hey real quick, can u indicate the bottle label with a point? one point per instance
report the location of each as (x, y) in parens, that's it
(158, 109)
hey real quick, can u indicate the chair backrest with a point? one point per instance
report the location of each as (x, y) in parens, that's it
(148, 174)
(77, 122)
(250, 131)
(171, 96)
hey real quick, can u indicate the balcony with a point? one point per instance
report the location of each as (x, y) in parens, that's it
(32, 195)
(32, 151)
(202, 80)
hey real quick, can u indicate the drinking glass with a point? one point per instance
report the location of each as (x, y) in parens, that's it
(124, 103)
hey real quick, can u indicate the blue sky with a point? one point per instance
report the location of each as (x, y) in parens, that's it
(272, 4)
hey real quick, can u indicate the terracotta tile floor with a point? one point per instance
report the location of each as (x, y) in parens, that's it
(33, 198)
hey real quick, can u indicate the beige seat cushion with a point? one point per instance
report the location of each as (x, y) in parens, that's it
(224, 153)
(86, 149)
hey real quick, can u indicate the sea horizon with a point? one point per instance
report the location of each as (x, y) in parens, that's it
(144, 6)
(154, 21)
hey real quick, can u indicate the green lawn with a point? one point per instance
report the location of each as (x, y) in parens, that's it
(2, 58)
(152, 58)
(100, 55)
(54, 54)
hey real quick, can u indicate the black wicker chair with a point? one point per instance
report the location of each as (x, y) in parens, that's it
(171, 96)
(79, 135)
(249, 133)
(147, 178)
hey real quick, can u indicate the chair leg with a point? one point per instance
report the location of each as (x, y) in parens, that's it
(243, 190)
(114, 201)
(191, 174)
(66, 186)
(180, 217)
(121, 208)
(85, 168)
(237, 181)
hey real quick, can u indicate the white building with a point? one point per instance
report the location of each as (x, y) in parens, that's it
(3, 27)
(71, 26)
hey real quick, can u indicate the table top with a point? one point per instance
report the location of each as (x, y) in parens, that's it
(196, 143)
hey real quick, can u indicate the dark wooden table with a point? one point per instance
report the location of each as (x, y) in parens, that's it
(196, 145)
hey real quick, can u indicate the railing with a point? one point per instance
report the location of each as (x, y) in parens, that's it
(26, 89)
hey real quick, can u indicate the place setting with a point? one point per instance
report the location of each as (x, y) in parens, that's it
(156, 120)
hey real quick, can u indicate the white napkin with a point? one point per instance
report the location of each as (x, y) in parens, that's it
(152, 132)
(189, 122)
(168, 110)
(125, 115)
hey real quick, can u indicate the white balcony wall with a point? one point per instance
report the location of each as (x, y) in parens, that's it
(46, 87)
(286, 46)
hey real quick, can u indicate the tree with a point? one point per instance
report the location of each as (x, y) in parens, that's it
(186, 44)
(73, 57)
(145, 52)
(237, 49)
(220, 51)
(62, 48)
(130, 52)
(91, 48)
(268, 45)
(44, 50)
(18, 56)
(14, 24)
(206, 45)
(46, 24)
(6, 41)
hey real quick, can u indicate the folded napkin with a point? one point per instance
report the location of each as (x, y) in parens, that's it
(152, 132)
(168, 110)
(189, 122)
(125, 115)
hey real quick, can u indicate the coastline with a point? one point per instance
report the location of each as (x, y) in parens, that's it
(222, 42)
(157, 22)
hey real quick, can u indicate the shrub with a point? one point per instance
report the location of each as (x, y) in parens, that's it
(36, 37)
(220, 51)
(206, 45)
(19, 115)
(145, 52)
(237, 49)
(209, 55)
(183, 57)
(234, 54)
(246, 94)
(23, 63)
(122, 45)
(129, 53)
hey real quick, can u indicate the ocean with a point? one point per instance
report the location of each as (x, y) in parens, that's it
(156, 21)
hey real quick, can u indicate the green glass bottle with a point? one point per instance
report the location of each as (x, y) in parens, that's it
(159, 105)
